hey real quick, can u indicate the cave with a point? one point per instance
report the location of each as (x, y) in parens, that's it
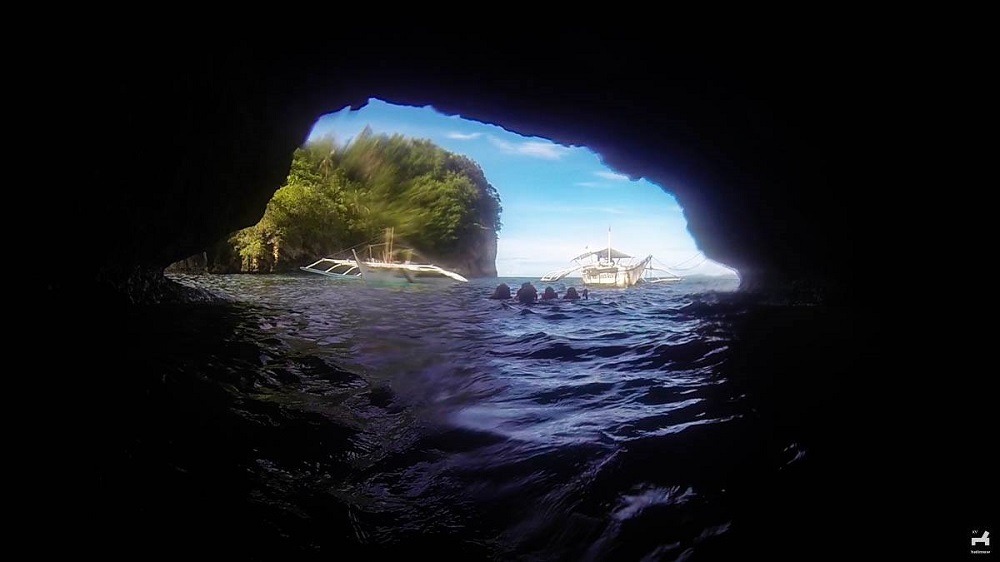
(752, 145)
(747, 146)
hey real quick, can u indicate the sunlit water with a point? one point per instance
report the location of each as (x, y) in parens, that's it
(319, 416)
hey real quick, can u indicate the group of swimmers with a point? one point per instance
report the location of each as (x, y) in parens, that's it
(528, 294)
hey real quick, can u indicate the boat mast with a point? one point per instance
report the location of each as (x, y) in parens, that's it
(387, 252)
(609, 243)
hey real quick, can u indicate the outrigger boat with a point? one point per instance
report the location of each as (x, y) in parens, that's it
(382, 269)
(612, 268)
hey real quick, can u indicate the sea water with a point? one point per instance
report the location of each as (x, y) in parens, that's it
(302, 416)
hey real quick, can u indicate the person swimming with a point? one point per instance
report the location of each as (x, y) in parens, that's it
(502, 292)
(571, 294)
(549, 294)
(585, 293)
(527, 294)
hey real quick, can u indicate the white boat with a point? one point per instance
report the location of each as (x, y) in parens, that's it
(611, 268)
(382, 269)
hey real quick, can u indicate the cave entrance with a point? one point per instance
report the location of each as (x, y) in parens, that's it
(558, 201)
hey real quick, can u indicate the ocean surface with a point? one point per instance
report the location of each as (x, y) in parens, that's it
(305, 417)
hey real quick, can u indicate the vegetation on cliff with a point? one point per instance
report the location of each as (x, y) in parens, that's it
(339, 196)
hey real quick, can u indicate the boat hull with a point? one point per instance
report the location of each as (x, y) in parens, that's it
(383, 273)
(614, 277)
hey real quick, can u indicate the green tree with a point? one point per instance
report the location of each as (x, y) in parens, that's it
(339, 196)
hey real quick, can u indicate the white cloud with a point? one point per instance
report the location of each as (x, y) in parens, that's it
(463, 136)
(611, 176)
(533, 149)
(547, 151)
(566, 209)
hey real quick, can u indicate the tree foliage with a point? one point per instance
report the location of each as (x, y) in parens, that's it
(339, 196)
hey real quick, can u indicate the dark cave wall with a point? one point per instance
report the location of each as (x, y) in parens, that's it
(200, 141)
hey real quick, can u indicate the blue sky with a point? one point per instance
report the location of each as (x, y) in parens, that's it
(558, 201)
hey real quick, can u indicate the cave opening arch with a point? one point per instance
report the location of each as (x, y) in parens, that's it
(745, 149)
(553, 196)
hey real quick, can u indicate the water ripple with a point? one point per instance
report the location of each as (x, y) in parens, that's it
(415, 417)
